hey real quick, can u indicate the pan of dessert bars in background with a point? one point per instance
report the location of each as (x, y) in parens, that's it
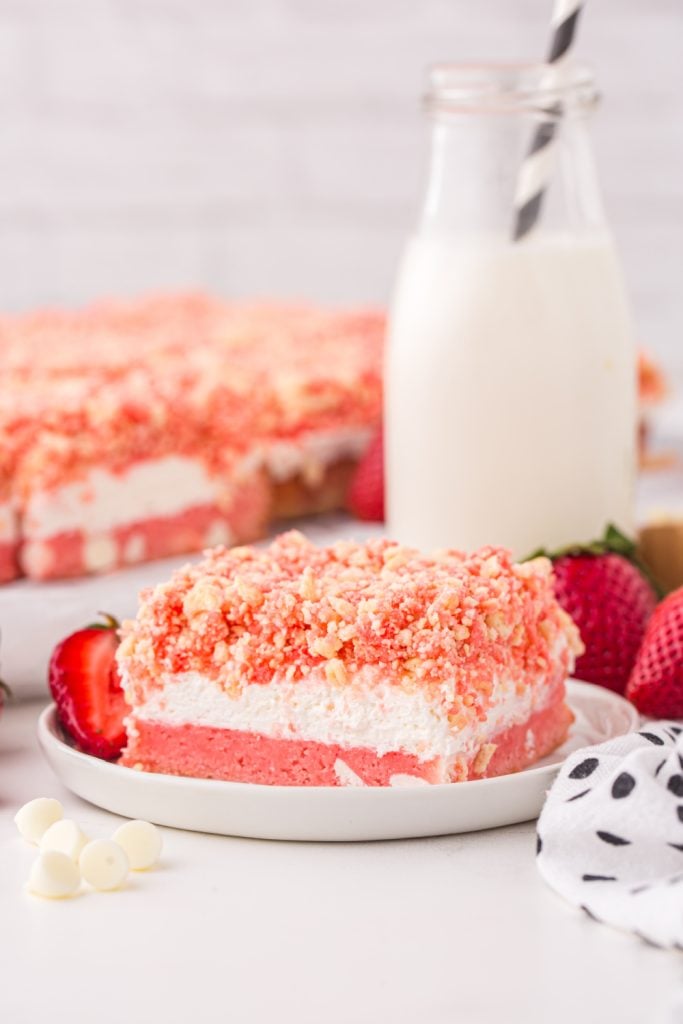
(137, 433)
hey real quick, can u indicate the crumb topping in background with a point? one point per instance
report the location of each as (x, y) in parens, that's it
(183, 374)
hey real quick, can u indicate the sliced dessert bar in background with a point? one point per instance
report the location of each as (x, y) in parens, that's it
(135, 431)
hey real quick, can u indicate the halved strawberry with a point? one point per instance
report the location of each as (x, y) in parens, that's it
(85, 685)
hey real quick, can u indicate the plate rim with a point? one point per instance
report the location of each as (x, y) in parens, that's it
(48, 737)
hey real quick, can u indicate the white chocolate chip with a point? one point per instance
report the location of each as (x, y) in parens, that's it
(403, 781)
(134, 549)
(103, 864)
(66, 837)
(141, 842)
(54, 875)
(346, 775)
(37, 559)
(35, 817)
(99, 553)
(218, 533)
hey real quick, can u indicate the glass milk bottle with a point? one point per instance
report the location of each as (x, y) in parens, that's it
(511, 383)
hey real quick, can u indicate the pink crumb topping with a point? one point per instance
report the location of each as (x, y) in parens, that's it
(186, 374)
(244, 615)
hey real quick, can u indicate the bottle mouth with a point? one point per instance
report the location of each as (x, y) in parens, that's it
(547, 90)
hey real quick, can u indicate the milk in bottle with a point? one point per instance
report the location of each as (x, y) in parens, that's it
(510, 385)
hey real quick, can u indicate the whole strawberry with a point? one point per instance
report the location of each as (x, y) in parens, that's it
(656, 683)
(365, 497)
(610, 600)
(86, 688)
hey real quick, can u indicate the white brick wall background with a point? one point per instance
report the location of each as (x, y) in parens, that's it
(274, 147)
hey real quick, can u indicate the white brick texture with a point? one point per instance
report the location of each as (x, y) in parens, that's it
(274, 147)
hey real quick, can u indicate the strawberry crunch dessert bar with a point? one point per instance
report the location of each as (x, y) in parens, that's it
(137, 430)
(350, 665)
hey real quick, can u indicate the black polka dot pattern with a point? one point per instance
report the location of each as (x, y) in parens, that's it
(578, 796)
(584, 768)
(675, 785)
(539, 844)
(609, 837)
(657, 740)
(612, 830)
(623, 786)
(648, 941)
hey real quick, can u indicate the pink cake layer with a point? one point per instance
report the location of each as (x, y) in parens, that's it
(205, 752)
(64, 554)
(9, 568)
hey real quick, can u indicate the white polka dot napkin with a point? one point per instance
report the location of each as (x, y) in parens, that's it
(610, 836)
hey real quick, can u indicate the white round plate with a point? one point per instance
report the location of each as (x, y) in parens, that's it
(330, 814)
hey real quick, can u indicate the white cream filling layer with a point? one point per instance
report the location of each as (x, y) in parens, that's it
(314, 452)
(168, 486)
(366, 713)
(104, 500)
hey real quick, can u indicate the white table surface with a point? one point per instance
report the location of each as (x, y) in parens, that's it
(451, 930)
(429, 931)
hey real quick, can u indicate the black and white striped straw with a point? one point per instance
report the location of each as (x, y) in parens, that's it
(536, 169)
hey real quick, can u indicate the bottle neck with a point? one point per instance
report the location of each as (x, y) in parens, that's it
(477, 168)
